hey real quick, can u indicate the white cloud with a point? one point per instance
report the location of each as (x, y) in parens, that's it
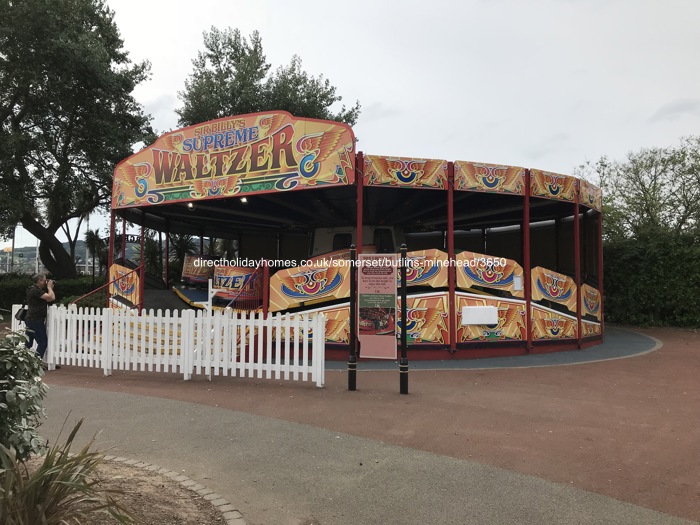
(543, 84)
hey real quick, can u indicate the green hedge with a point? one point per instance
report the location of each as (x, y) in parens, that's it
(13, 290)
(653, 281)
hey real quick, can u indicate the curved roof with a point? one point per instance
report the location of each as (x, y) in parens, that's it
(192, 180)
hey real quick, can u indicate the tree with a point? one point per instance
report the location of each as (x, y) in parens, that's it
(180, 246)
(651, 224)
(152, 253)
(655, 191)
(96, 246)
(230, 77)
(67, 116)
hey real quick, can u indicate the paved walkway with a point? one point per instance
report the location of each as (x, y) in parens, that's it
(619, 343)
(521, 446)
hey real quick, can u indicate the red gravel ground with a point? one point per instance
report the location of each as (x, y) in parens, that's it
(628, 428)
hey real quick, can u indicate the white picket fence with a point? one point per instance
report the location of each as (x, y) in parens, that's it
(287, 347)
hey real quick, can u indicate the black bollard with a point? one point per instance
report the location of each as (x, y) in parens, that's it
(352, 359)
(403, 363)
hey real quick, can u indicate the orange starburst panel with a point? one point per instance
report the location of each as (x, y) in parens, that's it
(427, 319)
(489, 178)
(487, 271)
(548, 324)
(553, 286)
(591, 196)
(552, 185)
(510, 326)
(405, 172)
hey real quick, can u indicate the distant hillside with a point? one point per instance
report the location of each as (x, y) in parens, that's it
(30, 251)
(24, 259)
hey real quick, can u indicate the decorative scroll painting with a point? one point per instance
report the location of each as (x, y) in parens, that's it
(306, 285)
(427, 319)
(405, 172)
(234, 282)
(590, 196)
(490, 178)
(550, 324)
(553, 286)
(511, 320)
(591, 301)
(552, 185)
(124, 282)
(337, 322)
(590, 329)
(425, 268)
(243, 155)
(475, 269)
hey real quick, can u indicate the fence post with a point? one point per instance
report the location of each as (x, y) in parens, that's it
(51, 335)
(106, 332)
(319, 351)
(187, 342)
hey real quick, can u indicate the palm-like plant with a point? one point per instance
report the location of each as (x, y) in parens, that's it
(97, 249)
(180, 245)
(63, 489)
(152, 253)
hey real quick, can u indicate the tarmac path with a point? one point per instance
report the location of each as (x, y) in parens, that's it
(602, 442)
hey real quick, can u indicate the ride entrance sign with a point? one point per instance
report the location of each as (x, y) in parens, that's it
(377, 305)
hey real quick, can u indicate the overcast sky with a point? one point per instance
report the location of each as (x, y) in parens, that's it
(540, 84)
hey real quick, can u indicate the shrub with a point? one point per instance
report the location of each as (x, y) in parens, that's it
(63, 489)
(14, 291)
(21, 396)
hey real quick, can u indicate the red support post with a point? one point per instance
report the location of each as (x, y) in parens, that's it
(266, 290)
(123, 240)
(167, 254)
(584, 246)
(142, 272)
(112, 237)
(600, 272)
(451, 270)
(359, 184)
(526, 261)
(577, 262)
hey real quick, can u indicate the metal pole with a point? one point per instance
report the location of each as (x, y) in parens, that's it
(577, 265)
(526, 262)
(359, 186)
(601, 289)
(451, 270)
(142, 272)
(87, 252)
(12, 260)
(403, 363)
(352, 358)
(167, 254)
(110, 260)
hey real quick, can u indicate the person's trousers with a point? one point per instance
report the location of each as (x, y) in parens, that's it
(36, 331)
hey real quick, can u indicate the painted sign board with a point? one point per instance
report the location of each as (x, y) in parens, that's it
(377, 305)
(234, 156)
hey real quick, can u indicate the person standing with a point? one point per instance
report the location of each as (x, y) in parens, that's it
(39, 295)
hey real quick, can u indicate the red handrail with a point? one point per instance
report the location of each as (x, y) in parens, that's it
(138, 268)
(241, 290)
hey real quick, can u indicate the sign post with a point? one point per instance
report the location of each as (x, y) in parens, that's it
(352, 358)
(403, 364)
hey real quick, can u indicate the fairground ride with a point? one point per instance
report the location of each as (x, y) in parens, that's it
(293, 192)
